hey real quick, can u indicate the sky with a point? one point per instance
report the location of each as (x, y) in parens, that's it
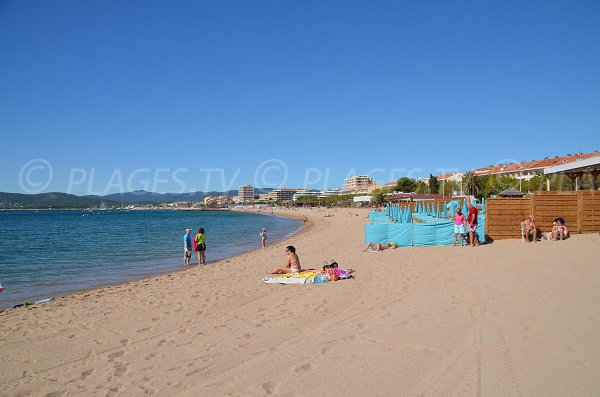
(101, 97)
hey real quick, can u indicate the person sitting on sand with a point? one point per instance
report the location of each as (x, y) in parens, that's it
(292, 262)
(380, 247)
(529, 228)
(559, 229)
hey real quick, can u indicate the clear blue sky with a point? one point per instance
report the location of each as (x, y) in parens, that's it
(114, 96)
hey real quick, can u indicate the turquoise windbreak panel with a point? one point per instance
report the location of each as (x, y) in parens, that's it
(400, 234)
(376, 233)
(444, 233)
(424, 234)
(433, 231)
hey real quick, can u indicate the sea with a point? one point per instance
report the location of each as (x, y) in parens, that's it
(54, 253)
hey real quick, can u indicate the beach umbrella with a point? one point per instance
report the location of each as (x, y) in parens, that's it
(445, 210)
(465, 208)
(409, 216)
(482, 205)
(438, 212)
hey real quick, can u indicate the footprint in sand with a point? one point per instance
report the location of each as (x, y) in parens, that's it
(116, 354)
(144, 330)
(304, 368)
(326, 350)
(194, 372)
(87, 373)
(271, 388)
(121, 369)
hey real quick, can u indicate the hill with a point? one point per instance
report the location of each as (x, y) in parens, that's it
(50, 200)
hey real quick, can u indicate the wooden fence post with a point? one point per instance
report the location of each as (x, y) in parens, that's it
(579, 211)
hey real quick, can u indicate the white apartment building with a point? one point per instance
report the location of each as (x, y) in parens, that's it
(283, 194)
(329, 193)
(304, 192)
(358, 182)
(246, 194)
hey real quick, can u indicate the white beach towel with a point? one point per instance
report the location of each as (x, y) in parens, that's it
(285, 280)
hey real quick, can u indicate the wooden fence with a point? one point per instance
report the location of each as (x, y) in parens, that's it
(580, 209)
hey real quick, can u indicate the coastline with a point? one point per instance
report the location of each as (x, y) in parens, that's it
(70, 292)
(506, 318)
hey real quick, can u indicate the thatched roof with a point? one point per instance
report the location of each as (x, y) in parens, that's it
(511, 192)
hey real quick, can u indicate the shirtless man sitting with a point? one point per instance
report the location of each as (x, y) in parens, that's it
(529, 228)
(292, 262)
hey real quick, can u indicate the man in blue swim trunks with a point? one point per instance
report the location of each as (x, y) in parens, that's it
(187, 247)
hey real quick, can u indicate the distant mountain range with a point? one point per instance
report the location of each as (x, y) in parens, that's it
(65, 200)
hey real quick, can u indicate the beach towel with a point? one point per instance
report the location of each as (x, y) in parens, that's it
(286, 280)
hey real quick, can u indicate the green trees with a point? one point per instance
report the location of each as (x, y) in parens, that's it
(422, 188)
(434, 185)
(406, 185)
(469, 184)
(380, 197)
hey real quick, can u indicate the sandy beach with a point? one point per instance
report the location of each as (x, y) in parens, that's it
(503, 319)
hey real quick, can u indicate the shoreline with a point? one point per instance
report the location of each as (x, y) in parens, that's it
(506, 318)
(57, 296)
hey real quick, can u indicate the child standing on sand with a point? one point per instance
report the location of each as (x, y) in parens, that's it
(263, 235)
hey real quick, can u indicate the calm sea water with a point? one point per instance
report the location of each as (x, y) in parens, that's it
(53, 253)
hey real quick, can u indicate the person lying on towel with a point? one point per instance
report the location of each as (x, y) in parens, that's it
(380, 246)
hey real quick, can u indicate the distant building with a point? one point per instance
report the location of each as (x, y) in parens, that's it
(304, 192)
(451, 177)
(358, 182)
(329, 193)
(217, 200)
(246, 194)
(528, 169)
(283, 194)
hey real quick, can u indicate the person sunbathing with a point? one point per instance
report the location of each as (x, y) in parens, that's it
(380, 246)
(559, 229)
(291, 264)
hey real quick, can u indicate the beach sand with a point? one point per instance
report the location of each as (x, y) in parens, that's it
(503, 319)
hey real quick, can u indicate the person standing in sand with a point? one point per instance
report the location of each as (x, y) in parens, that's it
(304, 219)
(459, 226)
(201, 247)
(292, 262)
(263, 236)
(472, 222)
(187, 247)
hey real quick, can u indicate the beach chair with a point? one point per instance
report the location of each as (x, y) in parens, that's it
(522, 233)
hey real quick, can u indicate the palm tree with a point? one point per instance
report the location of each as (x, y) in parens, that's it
(469, 183)
(380, 198)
